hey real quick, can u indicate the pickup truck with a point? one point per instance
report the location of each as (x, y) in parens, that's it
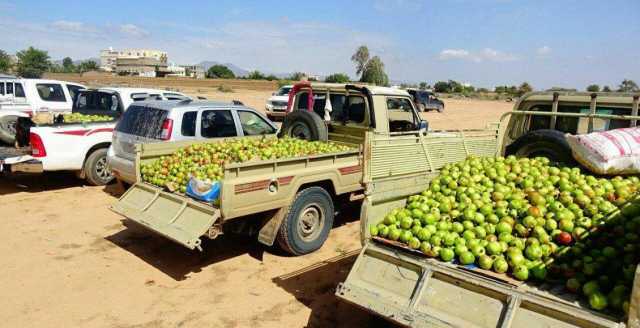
(412, 290)
(292, 200)
(26, 97)
(79, 147)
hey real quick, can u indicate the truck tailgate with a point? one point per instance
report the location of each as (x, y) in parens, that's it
(176, 217)
(421, 292)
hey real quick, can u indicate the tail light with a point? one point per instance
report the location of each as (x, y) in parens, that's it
(37, 146)
(167, 128)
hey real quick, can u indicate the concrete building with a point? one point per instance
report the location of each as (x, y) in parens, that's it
(141, 66)
(109, 57)
(193, 71)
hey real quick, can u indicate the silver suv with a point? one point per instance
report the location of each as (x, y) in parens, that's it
(158, 121)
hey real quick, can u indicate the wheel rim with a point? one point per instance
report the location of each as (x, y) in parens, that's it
(310, 222)
(10, 126)
(300, 130)
(102, 170)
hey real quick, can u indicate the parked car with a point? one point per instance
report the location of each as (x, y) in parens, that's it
(426, 100)
(151, 122)
(80, 147)
(276, 106)
(25, 97)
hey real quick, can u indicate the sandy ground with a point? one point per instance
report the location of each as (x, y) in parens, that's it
(67, 261)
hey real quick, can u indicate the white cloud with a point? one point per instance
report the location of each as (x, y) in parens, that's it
(69, 26)
(543, 51)
(486, 54)
(133, 30)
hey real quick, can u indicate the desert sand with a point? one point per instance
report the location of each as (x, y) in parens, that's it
(68, 261)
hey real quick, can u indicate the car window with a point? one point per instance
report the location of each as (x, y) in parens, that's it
(96, 101)
(9, 88)
(401, 115)
(217, 124)
(284, 91)
(51, 92)
(154, 96)
(73, 90)
(254, 125)
(142, 121)
(188, 128)
(174, 96)
(355, 109)
(19, 91)
(2, 88)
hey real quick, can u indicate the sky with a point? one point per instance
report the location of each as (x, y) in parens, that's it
(562, 43)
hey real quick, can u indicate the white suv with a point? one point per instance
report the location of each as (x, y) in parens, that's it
(276, 106)
(24, 97)
(158, 121)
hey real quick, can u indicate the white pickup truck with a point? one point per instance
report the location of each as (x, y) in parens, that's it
(79, 147)
(26, 97)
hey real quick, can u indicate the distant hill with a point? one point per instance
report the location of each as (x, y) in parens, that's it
(238, 71)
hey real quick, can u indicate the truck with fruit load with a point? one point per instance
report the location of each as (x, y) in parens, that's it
(76, 141)
(290, 199)
(589, 263)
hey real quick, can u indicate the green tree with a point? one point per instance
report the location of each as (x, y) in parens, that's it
(374, 72)
(423, 85)
(442, 87)
(361, 58)
(297, 76)
(87, 66)
(606, 88)
(220, 72)
(337, 78)
(5, 62)
(67, 65)
(628, 86)
(32, 62)
(255, 75)
(593, 88)
(271, 77)
(524, 88)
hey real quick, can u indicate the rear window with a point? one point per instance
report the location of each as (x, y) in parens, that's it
(142, 121)
(97, 101)
(51, 92)
(19, 90)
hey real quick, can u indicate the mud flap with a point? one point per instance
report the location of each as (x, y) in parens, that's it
(173, 216)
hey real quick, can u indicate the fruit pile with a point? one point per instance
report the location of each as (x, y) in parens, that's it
(530, 220)
(205, 161)
(82, 118)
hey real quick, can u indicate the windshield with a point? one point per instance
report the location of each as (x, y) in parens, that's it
(283, 91)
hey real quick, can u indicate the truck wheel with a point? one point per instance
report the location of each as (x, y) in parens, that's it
(304, 125)
(95, 167)
(307, 223)
(8, 129)
(421, 108)
(440, 108)
(545, 143)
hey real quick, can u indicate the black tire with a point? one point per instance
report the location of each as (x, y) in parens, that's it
(304, 125)
(95, 168)
(546, 143)
(440, 108)
(298, 236)
(8, 129)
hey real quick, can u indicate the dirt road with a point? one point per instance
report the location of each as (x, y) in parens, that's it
(68, 261)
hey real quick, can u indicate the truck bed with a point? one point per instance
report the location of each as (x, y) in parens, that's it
(247, 188)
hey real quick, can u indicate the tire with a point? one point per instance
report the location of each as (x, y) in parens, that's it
(298, 236)
(95, 168)
(304, 125)
(546, 143)
(440, 108)
(8, 129)
(421, 108)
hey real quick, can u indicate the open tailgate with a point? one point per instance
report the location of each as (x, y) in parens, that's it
(420, 292)
(176, 217)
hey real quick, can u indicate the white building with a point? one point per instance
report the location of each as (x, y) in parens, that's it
(193, 71)
(108, 57)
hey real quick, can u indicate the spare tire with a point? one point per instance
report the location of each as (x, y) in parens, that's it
(304, 125)
(546, 143)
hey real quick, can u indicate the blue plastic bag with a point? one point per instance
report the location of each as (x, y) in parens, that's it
(203, 190)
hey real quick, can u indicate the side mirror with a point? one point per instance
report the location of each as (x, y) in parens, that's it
(423, 125)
